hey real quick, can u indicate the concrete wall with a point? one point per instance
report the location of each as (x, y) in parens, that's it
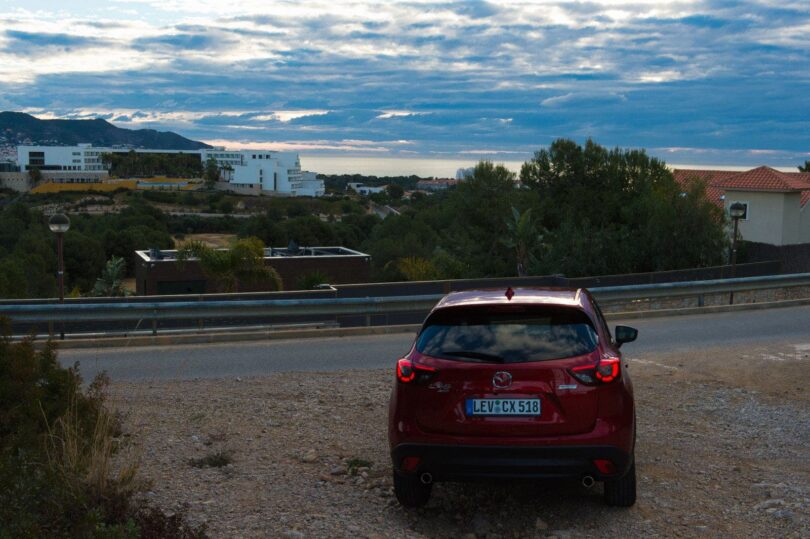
(19, 181)
(156, 277)
(16, 181)
(74, 177)
(240, 189)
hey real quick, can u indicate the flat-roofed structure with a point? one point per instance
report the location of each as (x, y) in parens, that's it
(158, 272)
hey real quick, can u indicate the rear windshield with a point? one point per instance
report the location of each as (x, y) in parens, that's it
(515, 335)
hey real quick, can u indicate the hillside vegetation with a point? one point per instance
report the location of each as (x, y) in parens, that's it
(18, 126)
(580, 210)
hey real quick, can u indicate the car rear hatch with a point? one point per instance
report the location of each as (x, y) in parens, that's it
(483, 357)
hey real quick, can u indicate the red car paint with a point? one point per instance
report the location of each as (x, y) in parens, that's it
(588, 427)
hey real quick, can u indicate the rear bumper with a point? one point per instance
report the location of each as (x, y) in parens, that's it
(470, 462)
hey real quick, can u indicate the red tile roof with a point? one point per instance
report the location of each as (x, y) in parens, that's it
(764, 179)
(757, 179)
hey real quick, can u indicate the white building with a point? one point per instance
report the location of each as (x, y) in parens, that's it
(365, 190)
(271, 172)
(255, 171)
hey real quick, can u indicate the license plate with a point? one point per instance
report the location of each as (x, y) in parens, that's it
(514, 407)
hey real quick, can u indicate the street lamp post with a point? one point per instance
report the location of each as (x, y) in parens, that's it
(736, 211)
(59, 224)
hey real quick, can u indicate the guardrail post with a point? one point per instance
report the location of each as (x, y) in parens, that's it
(154, 322)
(200, 322)
(701, 300)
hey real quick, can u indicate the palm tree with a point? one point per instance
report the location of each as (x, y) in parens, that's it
(110, 284)
(524, 238)
(243, 263)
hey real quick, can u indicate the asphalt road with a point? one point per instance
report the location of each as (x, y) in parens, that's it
(231, 360)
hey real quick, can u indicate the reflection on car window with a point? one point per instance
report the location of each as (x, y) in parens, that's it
(512, 336)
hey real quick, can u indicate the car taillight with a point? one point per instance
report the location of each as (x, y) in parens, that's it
(408, 372)
(606, 371)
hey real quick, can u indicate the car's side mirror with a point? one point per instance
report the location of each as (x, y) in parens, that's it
(625, 334)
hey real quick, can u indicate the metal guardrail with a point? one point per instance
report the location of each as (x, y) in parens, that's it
(216, 309)
(699, 288)
(368, 306)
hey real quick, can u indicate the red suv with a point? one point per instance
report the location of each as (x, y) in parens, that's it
(523, 384)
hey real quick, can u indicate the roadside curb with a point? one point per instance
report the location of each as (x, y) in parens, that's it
(662, 313)
(272, 335)
(234, 336)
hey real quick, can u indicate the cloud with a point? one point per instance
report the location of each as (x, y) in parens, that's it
(184, 41)
(302, 146)
(288, 115)
(388, 114)
(19, 42)
(447, 76)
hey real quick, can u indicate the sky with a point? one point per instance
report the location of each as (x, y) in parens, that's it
(692, 82)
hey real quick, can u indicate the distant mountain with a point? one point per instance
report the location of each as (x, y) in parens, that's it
(20, 128)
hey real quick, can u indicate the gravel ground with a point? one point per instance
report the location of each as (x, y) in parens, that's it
(723, 451)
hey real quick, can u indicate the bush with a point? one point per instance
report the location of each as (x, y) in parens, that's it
(308, 281)
(57, 446)
(212, 460)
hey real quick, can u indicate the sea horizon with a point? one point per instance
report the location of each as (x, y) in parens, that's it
(426, 167)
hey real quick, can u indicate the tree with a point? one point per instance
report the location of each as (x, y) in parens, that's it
(34, 176)
(13, 279)
(805, 168)
(110, 284)
(211, 172)
(416, 268)
(524, 238)
(395, 192)
(473, 220)
(243, 263)
(618, 211)
(132, 163)
(84, 259)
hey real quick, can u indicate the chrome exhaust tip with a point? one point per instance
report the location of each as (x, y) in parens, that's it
(588, 481)
(426, 478)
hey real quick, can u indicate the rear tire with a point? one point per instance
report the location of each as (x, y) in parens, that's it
(621, 492)
(410, 491)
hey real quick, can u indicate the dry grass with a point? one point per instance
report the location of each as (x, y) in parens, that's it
(85, 462)
(217, 241)
(51, 187)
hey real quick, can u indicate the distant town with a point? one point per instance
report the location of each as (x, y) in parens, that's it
(49, 164)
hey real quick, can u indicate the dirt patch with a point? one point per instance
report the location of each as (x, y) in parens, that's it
(217, 241)
(722, 451)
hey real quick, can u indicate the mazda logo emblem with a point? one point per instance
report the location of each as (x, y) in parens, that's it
(502, 379)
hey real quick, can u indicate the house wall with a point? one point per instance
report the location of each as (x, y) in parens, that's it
(766, 215)
(791, 218)
(804, 224)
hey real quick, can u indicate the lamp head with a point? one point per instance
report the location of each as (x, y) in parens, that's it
(59, 223)
(736, 210)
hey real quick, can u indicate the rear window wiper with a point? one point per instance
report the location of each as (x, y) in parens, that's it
(470, 354)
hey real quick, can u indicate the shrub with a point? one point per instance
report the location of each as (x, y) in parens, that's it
(58, 473)
(212, 460)
(308, 281)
